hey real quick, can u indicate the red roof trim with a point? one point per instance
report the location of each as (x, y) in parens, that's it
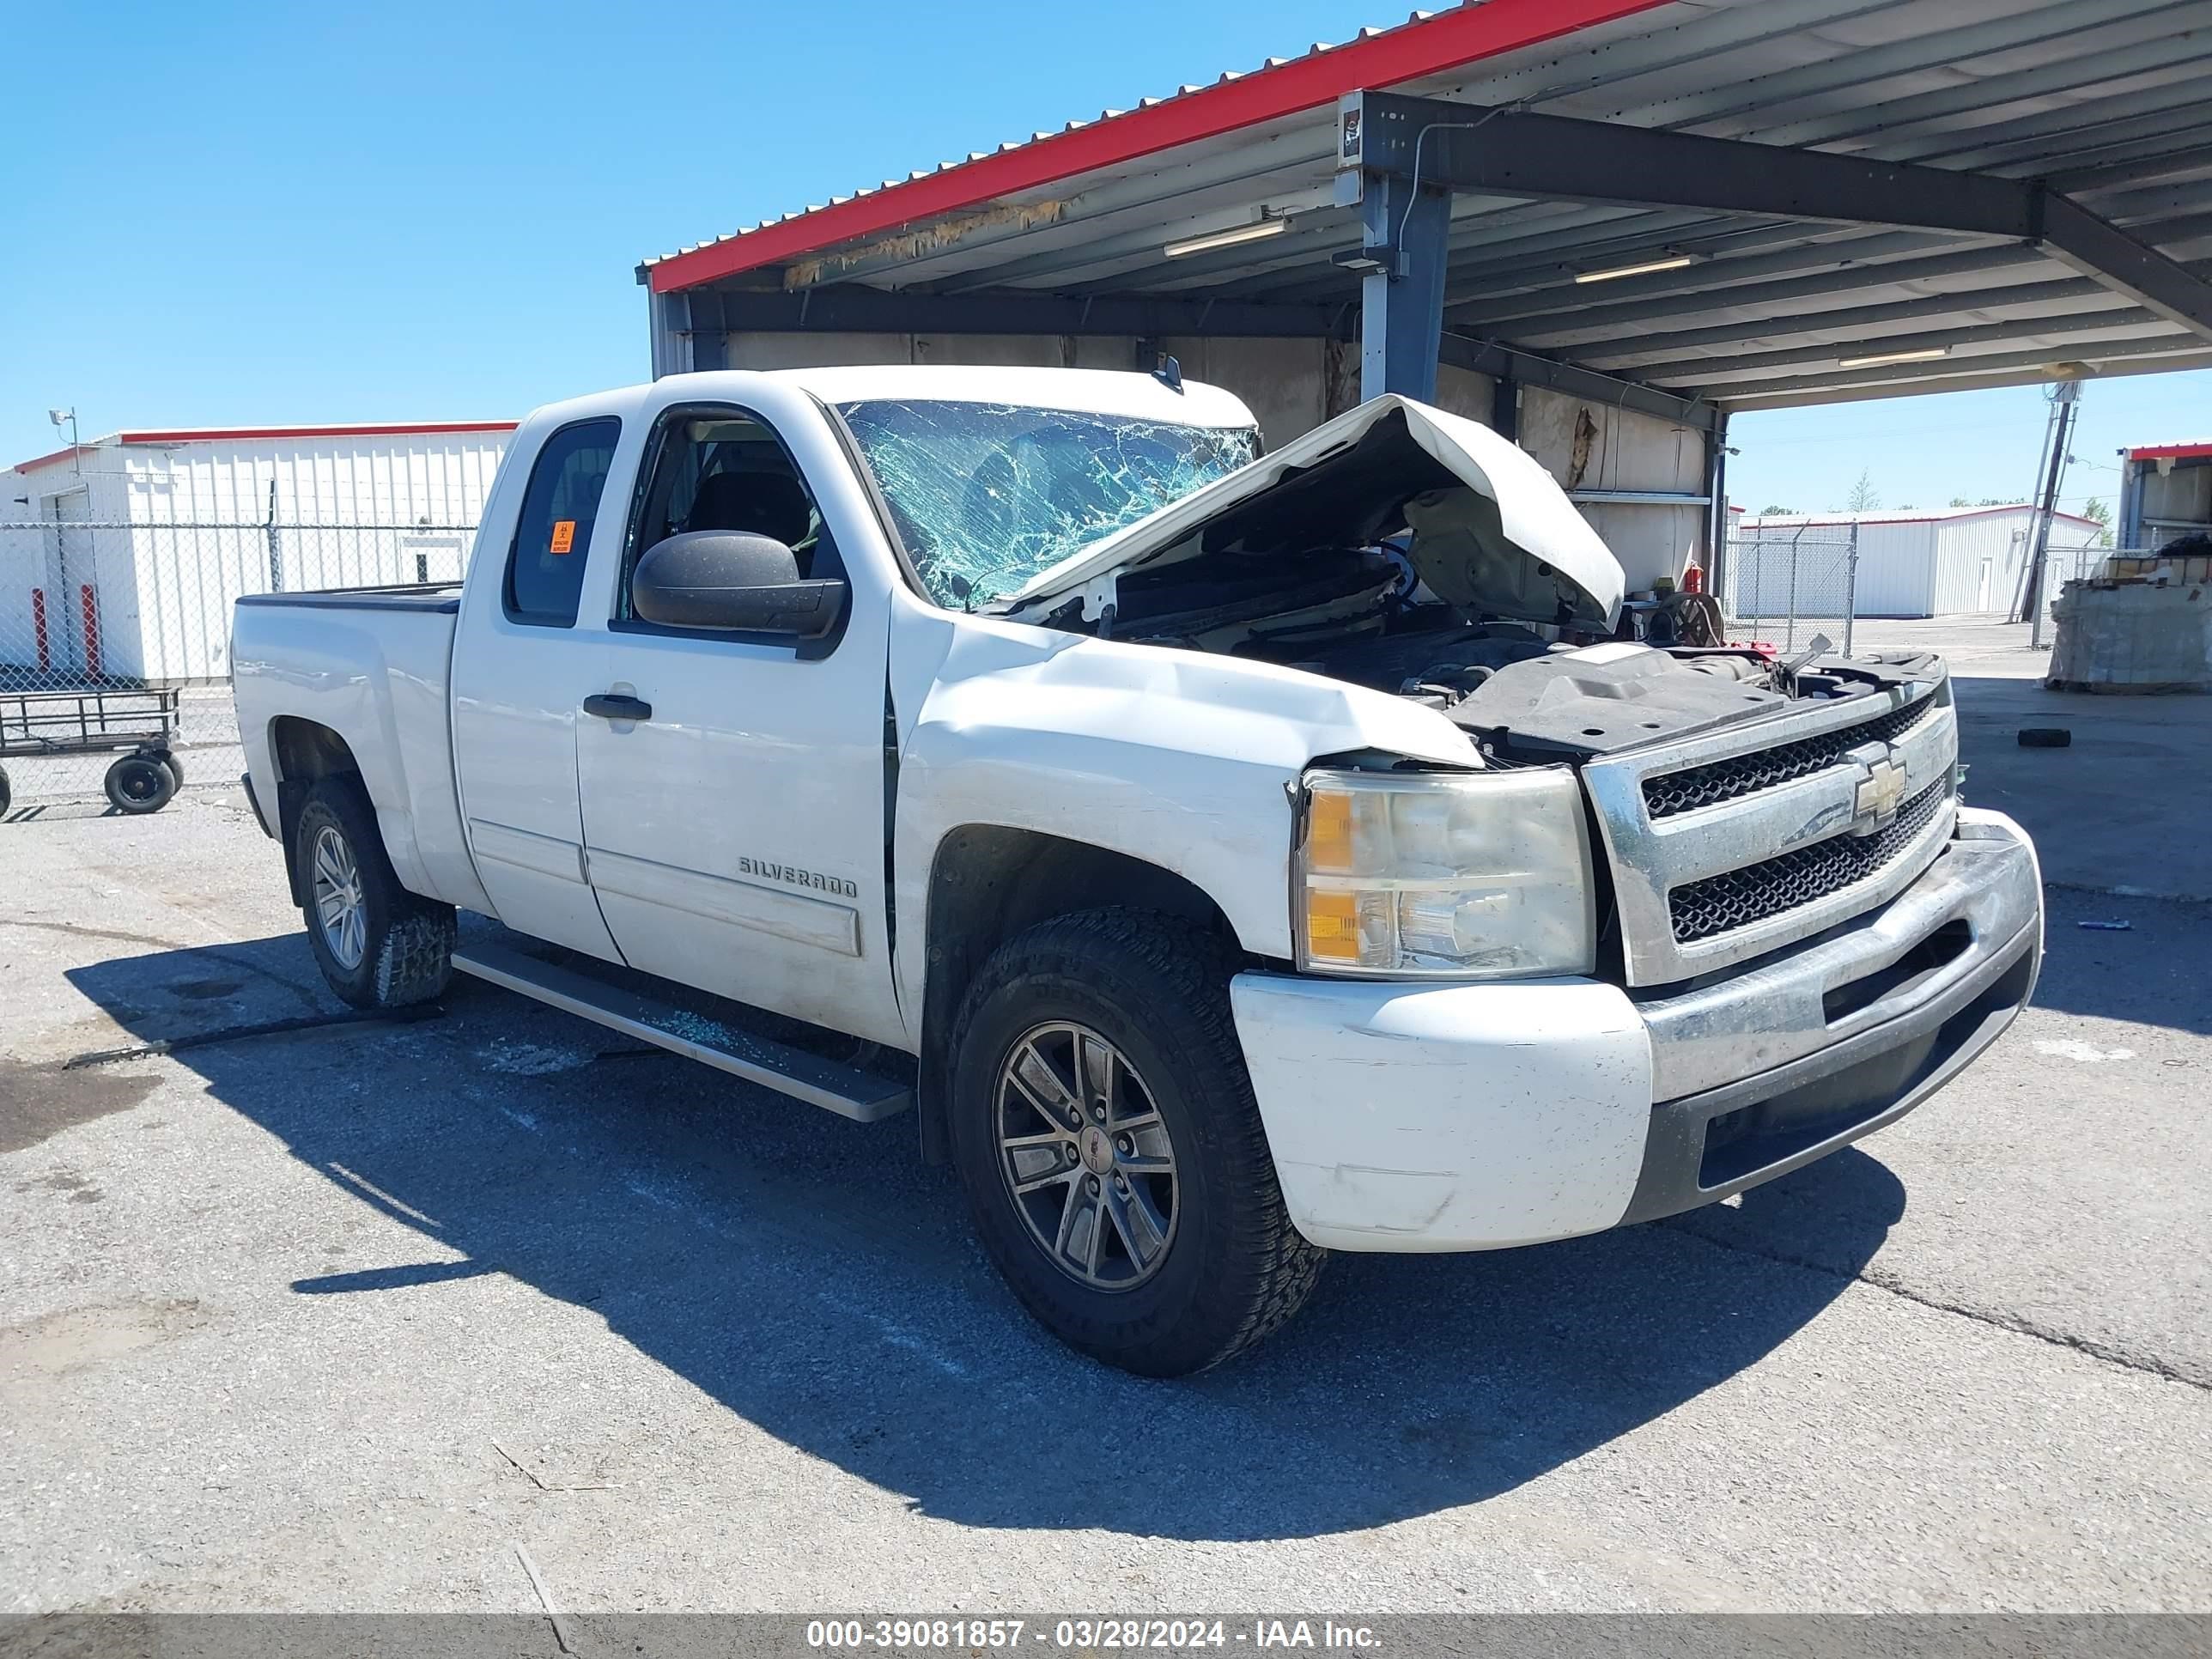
(2169, 452)
(1426, 47)
(217, 435)
(47, 461)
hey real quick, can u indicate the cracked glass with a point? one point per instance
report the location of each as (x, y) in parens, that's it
(988, 495)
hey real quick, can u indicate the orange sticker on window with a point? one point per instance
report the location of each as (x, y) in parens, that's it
(564, 535)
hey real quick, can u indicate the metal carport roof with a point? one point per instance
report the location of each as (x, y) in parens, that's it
(2103, 102)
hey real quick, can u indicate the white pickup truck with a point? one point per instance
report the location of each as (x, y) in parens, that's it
(1229, 859)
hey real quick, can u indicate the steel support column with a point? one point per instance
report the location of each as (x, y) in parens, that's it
(710, 349)
(1717, 516)
(1505, 407)
(1405, 230)
(665, 315)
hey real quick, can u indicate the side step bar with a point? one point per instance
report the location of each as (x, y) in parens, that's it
(843, 1090)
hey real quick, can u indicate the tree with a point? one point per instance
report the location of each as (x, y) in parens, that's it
(1778, 511)
(1960, 500)
(2099, 509)
(1864, 497)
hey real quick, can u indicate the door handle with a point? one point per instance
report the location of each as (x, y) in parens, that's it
(610, 706)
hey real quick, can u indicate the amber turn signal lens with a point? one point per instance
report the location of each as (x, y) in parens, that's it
(1332, 925)
(1328, 830)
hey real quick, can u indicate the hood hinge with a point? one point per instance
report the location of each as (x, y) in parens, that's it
(1101, 601)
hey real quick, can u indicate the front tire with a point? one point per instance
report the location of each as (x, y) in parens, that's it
(377, 944)
(1104, 1128)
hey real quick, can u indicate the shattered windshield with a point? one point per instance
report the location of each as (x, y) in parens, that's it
(987, 495)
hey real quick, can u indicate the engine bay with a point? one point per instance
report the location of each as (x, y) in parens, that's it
(1417, 553)
(1528, 692)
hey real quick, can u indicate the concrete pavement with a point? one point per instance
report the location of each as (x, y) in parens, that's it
(334, 1319)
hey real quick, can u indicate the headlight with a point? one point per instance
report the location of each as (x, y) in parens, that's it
(1459, 875)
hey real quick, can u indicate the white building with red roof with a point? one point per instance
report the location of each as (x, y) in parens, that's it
(119, 557)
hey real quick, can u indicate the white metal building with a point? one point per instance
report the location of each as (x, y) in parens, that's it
(1909, 563)
(121, 557)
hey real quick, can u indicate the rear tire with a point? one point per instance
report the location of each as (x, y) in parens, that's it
(176, 767)
(377, 944)
(139, 784)
(7, 791)
(1196, 1258)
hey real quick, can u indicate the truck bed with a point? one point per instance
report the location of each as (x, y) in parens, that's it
(372, 665)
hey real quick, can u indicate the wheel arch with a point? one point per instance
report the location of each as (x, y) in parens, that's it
(306, 752)
(989, 883)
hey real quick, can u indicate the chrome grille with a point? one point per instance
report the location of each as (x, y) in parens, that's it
(1720, 904)
(1759, 850)
(1745, 774)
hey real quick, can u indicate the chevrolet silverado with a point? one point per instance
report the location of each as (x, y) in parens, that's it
(1228, 857)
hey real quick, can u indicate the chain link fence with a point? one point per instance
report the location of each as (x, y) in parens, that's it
(1785, 586)
(115, 642)
(2062, 565)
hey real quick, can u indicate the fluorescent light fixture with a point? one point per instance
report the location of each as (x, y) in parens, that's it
(1882, 357)
(1672, 261)
(1258, 231)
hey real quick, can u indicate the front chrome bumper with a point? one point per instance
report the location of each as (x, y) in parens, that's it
(1973, 902)
(1406, 1117)
(1777, 1066)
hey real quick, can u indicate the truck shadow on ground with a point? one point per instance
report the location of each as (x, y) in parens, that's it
(811, 1275)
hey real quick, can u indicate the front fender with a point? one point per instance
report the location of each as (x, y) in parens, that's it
(1180, 759)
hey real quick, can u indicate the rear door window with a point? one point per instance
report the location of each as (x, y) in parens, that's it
(545, 565)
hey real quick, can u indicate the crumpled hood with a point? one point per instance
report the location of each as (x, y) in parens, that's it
(1492, 532)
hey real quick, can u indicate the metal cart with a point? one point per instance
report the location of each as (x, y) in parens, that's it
(84, 722)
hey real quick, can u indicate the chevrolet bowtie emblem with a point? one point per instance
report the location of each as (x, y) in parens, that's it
(1880, 791)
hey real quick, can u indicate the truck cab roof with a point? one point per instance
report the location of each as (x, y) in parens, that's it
(1122, 394)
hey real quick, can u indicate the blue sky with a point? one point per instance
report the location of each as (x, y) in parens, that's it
(1921, 452)
(233, 213)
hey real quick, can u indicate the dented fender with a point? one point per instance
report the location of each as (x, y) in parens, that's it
(1183, 760)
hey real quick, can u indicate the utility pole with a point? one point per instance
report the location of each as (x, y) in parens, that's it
(2065, 399)
(276, 546)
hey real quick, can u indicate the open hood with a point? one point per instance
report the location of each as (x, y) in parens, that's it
(1492, 532)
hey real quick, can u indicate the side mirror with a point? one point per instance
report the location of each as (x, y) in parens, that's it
(735, 582)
